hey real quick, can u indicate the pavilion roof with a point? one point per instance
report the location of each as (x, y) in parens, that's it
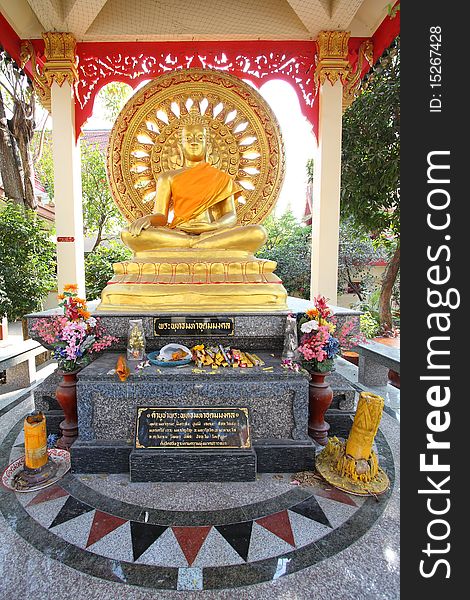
(174, 20)
(97, 137)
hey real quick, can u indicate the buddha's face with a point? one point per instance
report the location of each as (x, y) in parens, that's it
(193, 142)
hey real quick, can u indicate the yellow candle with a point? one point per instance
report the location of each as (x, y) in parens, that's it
(35, 440)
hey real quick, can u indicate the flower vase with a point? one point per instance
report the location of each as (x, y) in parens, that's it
(66, 394)
(3, 328)
(320, 397)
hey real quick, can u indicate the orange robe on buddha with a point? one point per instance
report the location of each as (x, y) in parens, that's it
(195, 190)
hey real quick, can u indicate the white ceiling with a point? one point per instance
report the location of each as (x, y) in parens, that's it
(154, 20)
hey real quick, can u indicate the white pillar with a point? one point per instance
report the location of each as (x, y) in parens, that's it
(67, 189)
(326, 195)
(331, 73)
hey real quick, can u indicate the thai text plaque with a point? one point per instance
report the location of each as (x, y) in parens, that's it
(193, 326)
(186, 428)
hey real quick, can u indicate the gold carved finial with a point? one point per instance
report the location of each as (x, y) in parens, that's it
(353, 84)
(40, 85)
(194, 116)
(333, 61)
(60, 65)
(61, 60)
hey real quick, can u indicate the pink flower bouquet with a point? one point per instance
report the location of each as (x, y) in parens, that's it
(76, 337)
(318, 346)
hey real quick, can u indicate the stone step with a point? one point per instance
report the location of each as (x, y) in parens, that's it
(192, 465)
(113, 456)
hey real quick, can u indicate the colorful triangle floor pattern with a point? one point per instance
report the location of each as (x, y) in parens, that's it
(115, 537)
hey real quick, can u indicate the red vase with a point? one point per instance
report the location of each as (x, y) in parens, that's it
(66, 394)
(320, 397)
(3, 328)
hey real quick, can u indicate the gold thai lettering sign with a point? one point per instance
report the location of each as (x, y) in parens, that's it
(193, 326)
(183, 427)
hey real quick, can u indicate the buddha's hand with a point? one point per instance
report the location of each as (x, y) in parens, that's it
(136, 227)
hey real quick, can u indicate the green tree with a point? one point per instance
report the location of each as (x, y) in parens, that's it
(356, 252)
(45, 164)
(27, 260)
(101, 217)
(99, 267)
(370, 192)
(5, 302)
(114, 96)
(289, 244)
(17, 122)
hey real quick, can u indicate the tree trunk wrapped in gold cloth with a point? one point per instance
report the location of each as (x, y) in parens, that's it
(353, 466)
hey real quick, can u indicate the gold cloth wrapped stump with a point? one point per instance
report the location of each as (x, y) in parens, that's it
(190, 252)
(353, 466)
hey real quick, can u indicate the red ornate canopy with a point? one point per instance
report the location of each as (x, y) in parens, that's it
(256, 61)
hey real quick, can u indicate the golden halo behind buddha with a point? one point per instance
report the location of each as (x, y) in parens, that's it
(243, 139)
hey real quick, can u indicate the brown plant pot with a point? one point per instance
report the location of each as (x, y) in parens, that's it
(352, 357)
(3, 328)
(394, 378)
(320, 397)
(66, 394)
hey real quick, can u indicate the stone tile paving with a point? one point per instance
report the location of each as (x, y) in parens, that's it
(312, 540)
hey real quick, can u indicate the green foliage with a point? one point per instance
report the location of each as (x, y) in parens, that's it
(5, 303)
(370, 185)
(99, 267)
(27, 260)
(324, 366)
(101, 216)
(100, 213)
(289, 244)
(393, 9)
(114, 96)
(370, 326)
(371, 305)
(356, 252)
(310, 168)
(371, 152)
(45, 166)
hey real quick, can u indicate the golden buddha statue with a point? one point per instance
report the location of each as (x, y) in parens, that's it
(191, 252)
(203, 206)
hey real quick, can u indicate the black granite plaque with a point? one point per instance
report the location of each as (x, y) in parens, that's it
(193, 326)
(183, 427)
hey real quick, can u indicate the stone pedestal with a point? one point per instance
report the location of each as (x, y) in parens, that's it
(192, 465)
(277, 400)
(250, 331)
(23, 374)
(205, 279)
(372, 373)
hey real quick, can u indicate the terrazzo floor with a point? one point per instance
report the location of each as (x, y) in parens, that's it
(97, 536)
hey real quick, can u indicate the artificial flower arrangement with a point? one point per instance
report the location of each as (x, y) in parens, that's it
(76, 337)
(318, 346)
